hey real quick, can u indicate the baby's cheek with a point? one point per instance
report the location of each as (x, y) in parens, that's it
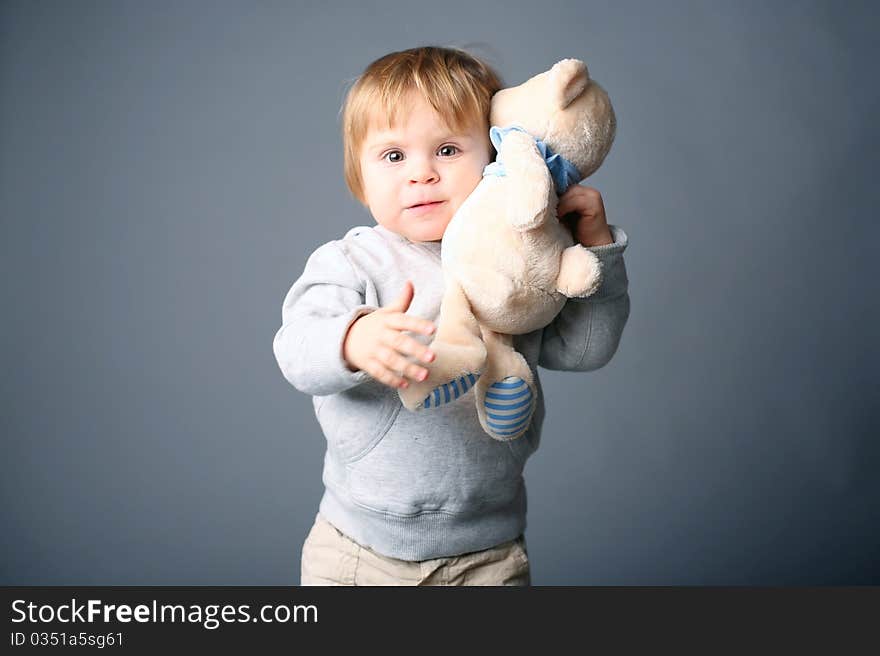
(474, 179)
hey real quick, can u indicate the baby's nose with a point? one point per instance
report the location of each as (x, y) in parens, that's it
(423, 172)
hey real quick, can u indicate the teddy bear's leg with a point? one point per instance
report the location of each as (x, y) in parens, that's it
(505, 394)
(460, 355)
(580, 273)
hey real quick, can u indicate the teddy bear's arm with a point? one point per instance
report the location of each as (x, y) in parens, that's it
(580, 272)
(529, 187)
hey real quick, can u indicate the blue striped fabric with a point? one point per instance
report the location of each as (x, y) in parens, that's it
(450, 391)
(508, 406)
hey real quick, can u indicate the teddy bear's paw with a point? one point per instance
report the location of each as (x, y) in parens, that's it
(580, 272)
(450, 391)
(508, 405)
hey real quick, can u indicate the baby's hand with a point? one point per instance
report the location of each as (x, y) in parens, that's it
(375, 343)
(588, 224)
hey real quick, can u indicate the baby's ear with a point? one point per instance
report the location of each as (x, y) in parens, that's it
(568, 79)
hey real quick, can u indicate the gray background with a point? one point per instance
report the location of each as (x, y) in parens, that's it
(166, 168)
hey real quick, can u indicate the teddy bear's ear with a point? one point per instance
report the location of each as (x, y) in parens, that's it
(568, 79)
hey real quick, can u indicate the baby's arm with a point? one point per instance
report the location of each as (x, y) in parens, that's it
(585, 334)
(320, 311)
(317, 313)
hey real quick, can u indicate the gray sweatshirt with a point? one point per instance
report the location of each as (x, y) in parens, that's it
(428, 484)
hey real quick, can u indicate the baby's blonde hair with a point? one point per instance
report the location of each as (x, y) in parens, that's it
(456, 84)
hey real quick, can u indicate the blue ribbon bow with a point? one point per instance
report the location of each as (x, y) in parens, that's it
(563, 172)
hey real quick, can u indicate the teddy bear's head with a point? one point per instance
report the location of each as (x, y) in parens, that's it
(566, 109)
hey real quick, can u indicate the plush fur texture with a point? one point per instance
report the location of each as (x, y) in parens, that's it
(508, 263)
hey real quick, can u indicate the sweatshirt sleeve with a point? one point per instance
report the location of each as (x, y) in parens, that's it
(315, 317)
(585, 334)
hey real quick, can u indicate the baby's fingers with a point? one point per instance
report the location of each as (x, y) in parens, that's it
(383, 374)
(401, 343)
(400, 321)
(393, 369)
(569, 203)
(583, 200)
(399, 364)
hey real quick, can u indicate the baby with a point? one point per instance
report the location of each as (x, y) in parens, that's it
(422, 498)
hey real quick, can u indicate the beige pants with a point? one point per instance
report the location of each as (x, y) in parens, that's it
(331, 558)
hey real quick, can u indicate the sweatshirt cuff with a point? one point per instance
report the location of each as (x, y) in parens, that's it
(614, 279)
(344, 377)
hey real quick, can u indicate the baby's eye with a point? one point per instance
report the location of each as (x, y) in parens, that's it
(448, 150)
(393, 156)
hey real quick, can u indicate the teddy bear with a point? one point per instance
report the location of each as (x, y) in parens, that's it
(508, 263)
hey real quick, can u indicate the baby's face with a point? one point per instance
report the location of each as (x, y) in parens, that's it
(417, 173)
